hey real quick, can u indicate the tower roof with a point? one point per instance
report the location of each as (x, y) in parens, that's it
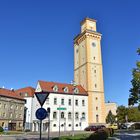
(87, 19)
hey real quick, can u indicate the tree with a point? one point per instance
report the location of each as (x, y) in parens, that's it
(110, 118)
(122, 112)
(134, 96)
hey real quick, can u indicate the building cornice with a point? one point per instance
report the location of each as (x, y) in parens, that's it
(86, 33)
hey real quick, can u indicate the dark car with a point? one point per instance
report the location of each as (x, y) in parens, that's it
(123, 126)
(94, 127)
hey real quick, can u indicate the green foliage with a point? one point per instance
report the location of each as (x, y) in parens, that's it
(134, 97)
(122, 112)
(132, 113)
(1, 129)
(110, 118)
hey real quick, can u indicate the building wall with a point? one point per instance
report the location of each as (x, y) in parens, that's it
(28, 105)
(11, 113)
(112, 107)
(65, 122)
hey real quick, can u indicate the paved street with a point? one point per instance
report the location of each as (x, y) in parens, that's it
(119, 135)
(126, 135)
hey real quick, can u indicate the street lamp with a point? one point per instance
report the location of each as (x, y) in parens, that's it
(74, 85)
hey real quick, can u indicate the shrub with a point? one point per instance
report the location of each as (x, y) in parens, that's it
(1, 129)
(101, 134)
(27, 130)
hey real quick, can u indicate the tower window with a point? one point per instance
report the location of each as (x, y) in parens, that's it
(96, 98)
(94, 57)
(95, 85)
(77, 51)
(94, 71)
(97, 118)
(96, 108)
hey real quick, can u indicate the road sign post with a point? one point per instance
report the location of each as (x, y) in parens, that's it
(41, 113)
(60, 108)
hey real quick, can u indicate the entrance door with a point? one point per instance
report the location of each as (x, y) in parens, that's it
(12, 126)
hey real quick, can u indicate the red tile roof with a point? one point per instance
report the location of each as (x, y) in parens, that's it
(29, 90)
(48, 86)
(10, 94)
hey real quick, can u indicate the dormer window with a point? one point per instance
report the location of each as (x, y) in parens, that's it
(66, 89)
(76, 90)
(55, 88)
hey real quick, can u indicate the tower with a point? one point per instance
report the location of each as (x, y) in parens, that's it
(88, 69)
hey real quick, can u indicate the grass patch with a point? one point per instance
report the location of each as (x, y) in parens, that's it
(75, 137)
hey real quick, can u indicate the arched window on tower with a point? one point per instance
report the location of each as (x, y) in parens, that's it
(97, 118)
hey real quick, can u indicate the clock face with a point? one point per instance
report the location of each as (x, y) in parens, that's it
(93, 44)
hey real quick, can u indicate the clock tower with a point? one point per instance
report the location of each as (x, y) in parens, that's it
(88, 69)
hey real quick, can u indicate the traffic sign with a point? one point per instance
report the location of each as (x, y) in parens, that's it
(41, 97)
(61, 108)
(41, 113)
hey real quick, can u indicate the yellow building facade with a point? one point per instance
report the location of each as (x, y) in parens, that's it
(88, 69)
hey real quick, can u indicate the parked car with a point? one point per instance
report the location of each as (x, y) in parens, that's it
(114, 126)
(94, 127)
(122, 126)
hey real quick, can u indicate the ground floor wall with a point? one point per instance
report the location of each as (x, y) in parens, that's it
(11, 125)
(63, 125)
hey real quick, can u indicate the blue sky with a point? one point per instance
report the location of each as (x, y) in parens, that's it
(36, 41)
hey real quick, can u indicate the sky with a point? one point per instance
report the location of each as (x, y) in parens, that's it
(36, 41)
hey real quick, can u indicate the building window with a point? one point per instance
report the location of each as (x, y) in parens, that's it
(66, 89)
(20, 124)
(83, 102)
(20, 116)
(69, 115)
(62, 115)
(2, 124)
(62, 101)
(83, 116)
(11, 106)
(69, 125)
(55, 88)
(4, 115)
(69, 102)
(0, 105)
(25, 94)
(77, 50)
(76, 102)
(96, 108)
(97, 118)
(94, 57)
(55, 101)
(96, 98)
(4, 106)
(11, 115)
(76, 115)
(95, 85)
(76, 125)
(54, 115)
(47, 101)
(76, 90)
(94, 71)
(21, 108)
(54, 125)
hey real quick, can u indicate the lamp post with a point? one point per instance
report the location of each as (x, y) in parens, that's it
(74, 85)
